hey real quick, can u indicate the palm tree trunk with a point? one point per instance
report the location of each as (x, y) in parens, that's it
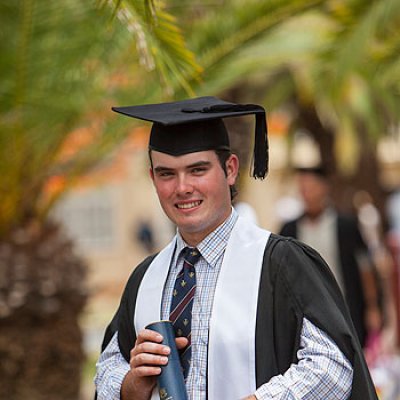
(42, 294)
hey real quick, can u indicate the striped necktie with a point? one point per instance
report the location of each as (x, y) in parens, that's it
(182, 303)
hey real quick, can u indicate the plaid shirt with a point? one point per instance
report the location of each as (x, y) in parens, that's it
(322, 372)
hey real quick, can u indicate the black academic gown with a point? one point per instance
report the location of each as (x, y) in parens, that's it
(295, 284)
(350, 242)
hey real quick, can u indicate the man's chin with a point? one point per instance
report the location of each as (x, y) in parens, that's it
(189, 228)
(194, 227)
(187, 219)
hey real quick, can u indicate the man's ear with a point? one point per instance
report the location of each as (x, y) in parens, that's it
(232, 168)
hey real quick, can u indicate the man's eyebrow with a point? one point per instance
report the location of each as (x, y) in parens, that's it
(197, 164)
(162, 169)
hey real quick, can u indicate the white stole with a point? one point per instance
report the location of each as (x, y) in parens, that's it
(231, 348)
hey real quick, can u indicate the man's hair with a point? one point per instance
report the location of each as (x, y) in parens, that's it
(223, 156)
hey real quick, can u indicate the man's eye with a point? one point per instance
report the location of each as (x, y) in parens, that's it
(165, 174)
(198, 170)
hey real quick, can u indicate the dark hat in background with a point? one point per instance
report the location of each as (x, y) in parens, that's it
(194, 125)
(318, 170)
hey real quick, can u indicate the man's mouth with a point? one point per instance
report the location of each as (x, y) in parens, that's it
(185, 206)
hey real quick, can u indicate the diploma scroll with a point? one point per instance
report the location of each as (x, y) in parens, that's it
(171, 383)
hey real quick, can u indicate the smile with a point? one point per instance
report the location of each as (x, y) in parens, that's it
(186, 206)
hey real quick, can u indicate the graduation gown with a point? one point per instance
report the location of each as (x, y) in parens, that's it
(293, 283)
(349, 242)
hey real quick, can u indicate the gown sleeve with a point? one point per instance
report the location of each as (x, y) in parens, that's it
(296, 283)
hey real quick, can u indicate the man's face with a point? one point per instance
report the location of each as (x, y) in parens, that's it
(194, 191)
(314, 191)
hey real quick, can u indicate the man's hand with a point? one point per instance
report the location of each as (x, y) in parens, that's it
(252, 397)
(147, 357)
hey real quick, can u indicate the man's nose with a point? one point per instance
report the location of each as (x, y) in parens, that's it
(184, 185)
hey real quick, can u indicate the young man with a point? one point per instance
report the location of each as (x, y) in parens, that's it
(267, 320)
(338, 239)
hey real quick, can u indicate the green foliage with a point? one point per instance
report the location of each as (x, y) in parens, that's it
(54, 61)
(63, 64)
(160, 43)
(340, 57)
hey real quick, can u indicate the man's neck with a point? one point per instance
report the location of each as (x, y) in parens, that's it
(193, 239)
(313, 216)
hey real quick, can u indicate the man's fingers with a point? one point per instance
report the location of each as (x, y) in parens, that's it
(147, 335)
(181, 342)
(150, 347)
(146, 359)
(146, 371)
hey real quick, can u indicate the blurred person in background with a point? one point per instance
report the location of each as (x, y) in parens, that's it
(144, 234)
(266, 320)
(393, 242)
(393, 212)
(338, 239)
(380, 246)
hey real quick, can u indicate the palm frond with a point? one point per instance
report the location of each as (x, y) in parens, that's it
(54, 70)
(160, 43)
(362, 36)
(237, 25)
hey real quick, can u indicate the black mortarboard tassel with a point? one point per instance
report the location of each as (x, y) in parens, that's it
(199, 126)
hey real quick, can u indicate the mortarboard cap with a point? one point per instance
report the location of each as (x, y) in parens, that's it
(193, 125)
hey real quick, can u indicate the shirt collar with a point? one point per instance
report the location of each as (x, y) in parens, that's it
(212, 246)
(328, 215)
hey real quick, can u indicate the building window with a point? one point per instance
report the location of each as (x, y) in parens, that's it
(88, 218)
